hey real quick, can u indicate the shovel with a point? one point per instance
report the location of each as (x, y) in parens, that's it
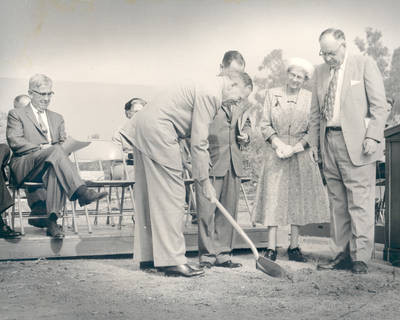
(265, 265)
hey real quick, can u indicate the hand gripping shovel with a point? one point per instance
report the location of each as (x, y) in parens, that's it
(265, 265)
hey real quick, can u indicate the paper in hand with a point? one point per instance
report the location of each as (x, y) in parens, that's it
(71, 145)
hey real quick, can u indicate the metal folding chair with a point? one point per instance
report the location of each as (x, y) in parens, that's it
(98, 152)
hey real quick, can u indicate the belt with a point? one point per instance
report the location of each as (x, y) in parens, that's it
(333, 129)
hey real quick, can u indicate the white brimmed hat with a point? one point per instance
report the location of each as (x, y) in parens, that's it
(302, 63)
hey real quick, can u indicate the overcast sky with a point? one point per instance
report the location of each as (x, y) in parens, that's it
(154, 41)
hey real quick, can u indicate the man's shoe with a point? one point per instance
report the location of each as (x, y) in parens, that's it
(182, 270)
(54, 230)
(146, 265)
(87, 196)
(341, 262)
(206, 264)
(296, 255)
(229, 264)
(271, 254)
(359, 267)
(7, 233)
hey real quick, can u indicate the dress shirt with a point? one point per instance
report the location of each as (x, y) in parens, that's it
(44, 117)
(335, 121)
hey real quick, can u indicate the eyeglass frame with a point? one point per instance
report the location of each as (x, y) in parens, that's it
(295, 76)
(330, 54)
(43, 94)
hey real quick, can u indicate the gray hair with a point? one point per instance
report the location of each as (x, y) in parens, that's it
(336, 33)
(39, 80)
(241, 77)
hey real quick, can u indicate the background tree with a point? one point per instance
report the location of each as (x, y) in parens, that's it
(271, 74)
(373, 46)
(392, 85)
(3, 125)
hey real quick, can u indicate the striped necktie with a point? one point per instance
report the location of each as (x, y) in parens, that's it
(329, 101)
(42, 124)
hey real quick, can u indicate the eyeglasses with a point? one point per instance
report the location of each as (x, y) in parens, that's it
(330, 54)
(43, 94)
(295, 76)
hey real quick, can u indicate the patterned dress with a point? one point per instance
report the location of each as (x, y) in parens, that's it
(290, 191)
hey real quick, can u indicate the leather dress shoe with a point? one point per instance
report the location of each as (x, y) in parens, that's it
(359, 267)
(183, 270)
(87, 196)
(229, 264)
(296, 255)
(271, 254)
(206, 264)
(7, 233)
(54, 230)
(341, 262)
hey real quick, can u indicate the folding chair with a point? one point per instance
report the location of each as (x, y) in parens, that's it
(98, 152)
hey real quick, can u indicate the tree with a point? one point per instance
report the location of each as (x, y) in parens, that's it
(3, 125)
(373, 47)
(392, 85)
(271, 74)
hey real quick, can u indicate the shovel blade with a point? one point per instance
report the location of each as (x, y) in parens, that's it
(270, 267)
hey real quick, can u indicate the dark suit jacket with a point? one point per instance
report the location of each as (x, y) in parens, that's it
(24, 136)
(223, 146)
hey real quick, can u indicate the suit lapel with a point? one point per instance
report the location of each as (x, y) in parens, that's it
(51, 123)
(325, 80)
(31, 116)
(348, 71)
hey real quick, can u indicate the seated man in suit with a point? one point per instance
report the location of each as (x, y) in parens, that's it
(35, 135)
(5, 198)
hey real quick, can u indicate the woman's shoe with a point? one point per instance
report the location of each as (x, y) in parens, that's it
(271, 254)
(296, 255)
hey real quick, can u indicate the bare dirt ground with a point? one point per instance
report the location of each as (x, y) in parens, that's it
(115, 289)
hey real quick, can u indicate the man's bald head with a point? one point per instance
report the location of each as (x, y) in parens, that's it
(21, 101)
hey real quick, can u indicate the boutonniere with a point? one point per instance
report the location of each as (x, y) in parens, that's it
(278, 99)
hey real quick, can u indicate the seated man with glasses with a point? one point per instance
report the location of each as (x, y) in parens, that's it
(35, 135)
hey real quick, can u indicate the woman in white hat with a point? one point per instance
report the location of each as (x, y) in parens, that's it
(290, 189)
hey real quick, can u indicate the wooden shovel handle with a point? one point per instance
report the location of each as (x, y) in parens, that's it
(237, 228)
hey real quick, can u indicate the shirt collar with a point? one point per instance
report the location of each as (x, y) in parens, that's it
(36, 111)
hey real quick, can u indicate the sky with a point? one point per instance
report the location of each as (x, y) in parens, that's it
(152, 42)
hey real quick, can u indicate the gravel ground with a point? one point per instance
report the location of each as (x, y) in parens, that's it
(115, 289)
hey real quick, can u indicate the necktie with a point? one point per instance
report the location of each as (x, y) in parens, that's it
(42, 124)
(329, 100)
(228, 111)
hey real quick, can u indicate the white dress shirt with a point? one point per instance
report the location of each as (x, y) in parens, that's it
(44, 117)
(335, 121)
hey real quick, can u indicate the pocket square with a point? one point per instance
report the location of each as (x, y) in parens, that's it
(354, 82)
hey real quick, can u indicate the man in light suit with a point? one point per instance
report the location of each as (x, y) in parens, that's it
(160, 191)
(215, 233)
(35, 135)
(348, 115)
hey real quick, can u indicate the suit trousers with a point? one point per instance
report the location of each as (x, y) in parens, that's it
(5, 197)
(351, 191)
(52, 167)
(159, 202)
(215, 233)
